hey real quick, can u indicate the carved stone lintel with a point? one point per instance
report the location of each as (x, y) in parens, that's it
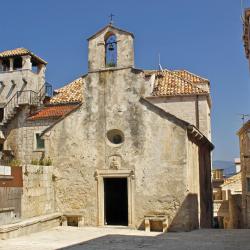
(102, 173)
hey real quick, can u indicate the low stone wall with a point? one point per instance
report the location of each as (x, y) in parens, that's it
(38, 191)
(28, 226)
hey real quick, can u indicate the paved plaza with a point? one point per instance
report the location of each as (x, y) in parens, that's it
(73, 238)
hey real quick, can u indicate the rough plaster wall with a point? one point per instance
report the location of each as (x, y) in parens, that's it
(38, 191)
(184, 107)
(34, 82)
(160, 172)
(154, 148)
(193, 187)
(20, 138)
(204, 117)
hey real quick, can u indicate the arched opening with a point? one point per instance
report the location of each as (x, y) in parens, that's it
(17, 64)
(110, 50)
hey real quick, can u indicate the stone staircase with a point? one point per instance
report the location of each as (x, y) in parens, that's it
(25, 97)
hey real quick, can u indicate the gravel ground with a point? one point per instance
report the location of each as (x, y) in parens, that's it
(71, 238)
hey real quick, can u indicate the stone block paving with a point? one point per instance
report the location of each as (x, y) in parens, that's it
(90, 238)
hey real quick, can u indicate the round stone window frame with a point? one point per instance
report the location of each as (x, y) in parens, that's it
(115, 137)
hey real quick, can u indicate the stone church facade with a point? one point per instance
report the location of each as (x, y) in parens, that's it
(125, 143)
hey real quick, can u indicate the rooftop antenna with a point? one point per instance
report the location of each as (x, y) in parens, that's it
(243, 116)
(111, 19)
(160, 67)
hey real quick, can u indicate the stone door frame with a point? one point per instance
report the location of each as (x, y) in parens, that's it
(121, 173)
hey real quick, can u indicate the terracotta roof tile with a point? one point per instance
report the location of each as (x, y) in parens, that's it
(190, 76)
(20, 52)
(55, 111)
(168, 83)
(70, 93)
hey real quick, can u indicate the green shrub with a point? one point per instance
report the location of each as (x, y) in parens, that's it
(48, 162)
(34, 162)
(15, 163)
(41, 162)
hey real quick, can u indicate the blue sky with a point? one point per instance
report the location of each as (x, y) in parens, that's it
(202, 36)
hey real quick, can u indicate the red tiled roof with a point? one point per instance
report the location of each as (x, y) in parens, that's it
(20, 52)
(70, 93)
(169, 83)
(190, 76)
(56, 111)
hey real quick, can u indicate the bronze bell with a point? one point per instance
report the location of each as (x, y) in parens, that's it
(111, 47)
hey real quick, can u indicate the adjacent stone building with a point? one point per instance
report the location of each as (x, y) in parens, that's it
(125, 143)
(244, 141)
(244, 134)
(227, 200)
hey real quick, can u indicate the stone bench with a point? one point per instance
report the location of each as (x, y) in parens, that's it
(72, 219)
(156, 218)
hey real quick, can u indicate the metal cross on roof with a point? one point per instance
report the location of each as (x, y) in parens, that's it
(111, 18)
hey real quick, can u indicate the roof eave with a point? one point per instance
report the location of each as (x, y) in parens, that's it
(112, 27)
(60, 119)
(174, 95)
(29, 53)
(197, 134)
(191, 129)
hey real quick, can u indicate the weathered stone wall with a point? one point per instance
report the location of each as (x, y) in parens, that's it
(20, 136)
(244, 141)
(185, 107)
(34, 82)
(204, 116)
(235, 214)
(96, 50)
(154, 147)
(38, 191)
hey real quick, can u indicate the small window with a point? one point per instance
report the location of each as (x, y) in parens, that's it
(34, 67)
(6, 64)
(39, 141)
(115, 136)
(17, 64)
(248, 184)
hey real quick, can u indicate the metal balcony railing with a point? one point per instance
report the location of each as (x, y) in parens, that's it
(25, 97)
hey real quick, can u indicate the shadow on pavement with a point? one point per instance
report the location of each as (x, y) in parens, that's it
(213, 239)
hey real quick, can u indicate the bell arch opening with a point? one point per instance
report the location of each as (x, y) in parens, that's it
(110, 50)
